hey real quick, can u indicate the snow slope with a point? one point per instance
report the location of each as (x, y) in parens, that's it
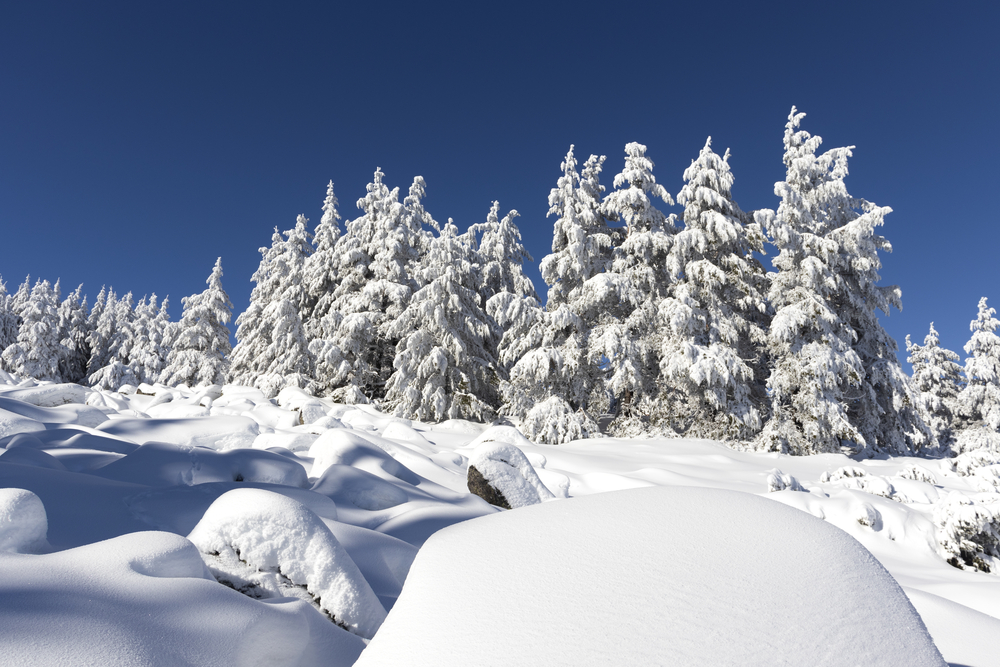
(96, 566)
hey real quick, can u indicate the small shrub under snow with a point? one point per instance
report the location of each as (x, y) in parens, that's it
(969, 531)
(23, 523)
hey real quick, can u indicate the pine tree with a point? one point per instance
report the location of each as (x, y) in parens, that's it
(8, 319)
(272, 351)
(979, 400)
(444, 365)
(117, 328)
(376, 255)
(835, 378)
(715, 315)
(625, 331)
(37, 352)
(73, 337)
(937, 375)
(320, 271)
(100, 327)
(200, 347)
(552, 376)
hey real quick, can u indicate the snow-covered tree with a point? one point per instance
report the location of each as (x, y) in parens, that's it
(8, 319)
(501, 255)
(200, 347)
(835, 379)
(320, 272)
(375, 257)
(715, 315)
(38, 349)
(117, 328)
(100, 325)
(979, 401)
(937, 375)
(271, 351)
(581, 240)
(625, 332)
(73, 336)
(445, 367)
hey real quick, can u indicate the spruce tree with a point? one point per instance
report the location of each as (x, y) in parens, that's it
(8, 319)
(320, 275)
(714, 318)
(937, 375)
(37, 352)
(979, 400)
(444, 366)
(625, 331)
(200, 347)
(271, 351)
(73, 336)
(835, 380)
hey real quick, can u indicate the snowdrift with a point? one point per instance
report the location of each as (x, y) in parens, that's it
(651, 576)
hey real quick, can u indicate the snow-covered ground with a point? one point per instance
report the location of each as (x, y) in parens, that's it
(121, 513)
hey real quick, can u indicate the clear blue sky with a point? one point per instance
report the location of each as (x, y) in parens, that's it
(139, 141)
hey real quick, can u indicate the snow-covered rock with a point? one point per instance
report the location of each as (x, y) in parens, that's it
(267, 545)
(500, 473)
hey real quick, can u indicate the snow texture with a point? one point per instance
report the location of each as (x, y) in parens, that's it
(693, 594)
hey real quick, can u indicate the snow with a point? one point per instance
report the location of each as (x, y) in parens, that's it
(712, 580)
(98, 497)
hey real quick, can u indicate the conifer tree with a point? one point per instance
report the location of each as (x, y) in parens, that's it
(445, 367)
(320, 271)
(272, 351)
(376, 256)
(937, 375)
(625, 332)
(73, 337)
(37, 352)
(979, 400)
(200, 347)
(8, 319)
(117, 329)
(835, 380)
(715, 315)
(552, 376)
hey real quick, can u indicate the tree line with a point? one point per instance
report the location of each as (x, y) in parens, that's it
(653, 323)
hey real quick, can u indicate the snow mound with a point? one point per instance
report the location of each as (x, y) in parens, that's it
(267, 545)
(350, 448)
(23, 524)
(50, 395)
(219, 432)
(161, 464)
(505, 467)
(147, 599)
(663, 575)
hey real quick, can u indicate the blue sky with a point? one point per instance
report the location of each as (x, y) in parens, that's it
(139, 141)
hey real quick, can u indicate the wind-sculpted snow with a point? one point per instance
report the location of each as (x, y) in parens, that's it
(85, 474)
(709, 583)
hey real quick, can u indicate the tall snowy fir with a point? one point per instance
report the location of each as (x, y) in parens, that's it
(73, 337)
(626, 332)
(979, 400)
(320, 271)
(38, 349)
(937, 375)
(8, 319)
(835, 380)
(551, 374)
(272, 351)
(117, 330)
(200, 348)
(715, 316)
(444, 365)
(375, 258)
